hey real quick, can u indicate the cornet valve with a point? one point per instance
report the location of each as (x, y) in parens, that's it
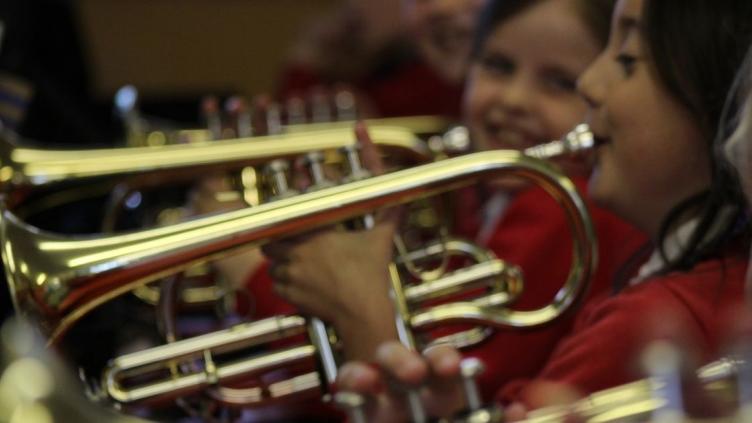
(344, 100)
(320, 109)
(352, 404)
(245, 120)
(357, 172)
(273, 119)
(315, 163)
(470, 369)
(276, 173)
(296, 111)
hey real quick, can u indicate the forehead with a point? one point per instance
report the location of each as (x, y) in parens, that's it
(553, 30)
(555, 15)
(627, 14)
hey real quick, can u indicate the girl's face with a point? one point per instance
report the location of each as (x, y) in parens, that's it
(442, 30)
(653, 155)
(521, 89)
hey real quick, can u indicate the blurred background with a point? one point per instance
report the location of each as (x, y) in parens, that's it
(63, 60)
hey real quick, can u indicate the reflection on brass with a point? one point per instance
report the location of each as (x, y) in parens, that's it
(248, 184)
(24, 167)
(35, 386)
(418, 125)
(503, 285)
(56, 280)
(636, 401)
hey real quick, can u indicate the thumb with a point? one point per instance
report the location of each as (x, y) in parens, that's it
(369, 152)
(372, 161)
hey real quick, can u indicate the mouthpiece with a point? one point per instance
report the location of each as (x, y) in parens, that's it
(577, 141)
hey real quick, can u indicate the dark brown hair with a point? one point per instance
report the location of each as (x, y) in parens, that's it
(595, 14)
(697, 47)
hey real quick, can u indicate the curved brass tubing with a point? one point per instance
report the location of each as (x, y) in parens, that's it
(23, 168)
(210, 348)
(57, 279)
(636, 401)
(418, 125)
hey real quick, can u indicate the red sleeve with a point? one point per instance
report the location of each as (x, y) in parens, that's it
(534, 235)
(610, 334)
(264, 301)
(603, 351)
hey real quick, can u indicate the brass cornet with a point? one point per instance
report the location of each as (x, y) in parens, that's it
(639, 401)
(57, 280)
(59, 176)
(24, 169)
(658, 398)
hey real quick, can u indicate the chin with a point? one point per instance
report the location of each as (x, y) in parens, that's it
(597, 191)
(608, 198)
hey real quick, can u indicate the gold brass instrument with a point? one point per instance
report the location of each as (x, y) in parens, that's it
(248, 182)
(23, 168)
(140, 131)
(637, 402)
(487, 271)
(35, 386)
(53, 392)
(659, 398)
(57, 280)
(418, 125)
(62, 278)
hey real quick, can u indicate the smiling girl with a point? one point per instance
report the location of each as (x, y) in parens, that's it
(521, 91)
(655, 97)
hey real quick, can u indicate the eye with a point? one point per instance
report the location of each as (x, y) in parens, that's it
(627, 63)
(497, 64)
(560, 82)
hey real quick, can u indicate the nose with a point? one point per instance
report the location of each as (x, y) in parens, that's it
(516, 93)
(591, 85)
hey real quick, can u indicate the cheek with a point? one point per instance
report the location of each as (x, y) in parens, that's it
(559, 116)
(604, 180)
(472, 106)
(637, 180)
(476, 100)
